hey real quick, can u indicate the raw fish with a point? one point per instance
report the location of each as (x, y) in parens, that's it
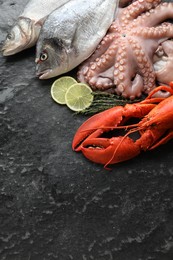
(25, 31)
(71, 33)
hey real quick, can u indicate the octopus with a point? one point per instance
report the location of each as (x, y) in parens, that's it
(136, 52)
(163, 62)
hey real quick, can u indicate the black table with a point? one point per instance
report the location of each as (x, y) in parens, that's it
(54, 203)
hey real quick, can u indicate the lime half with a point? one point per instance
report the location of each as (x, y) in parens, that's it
(59, 88)
(78, 97)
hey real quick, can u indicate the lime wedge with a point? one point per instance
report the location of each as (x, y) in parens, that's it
(78, 97)
(59, 88)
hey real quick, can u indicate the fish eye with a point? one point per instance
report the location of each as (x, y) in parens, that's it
(10, 36)
(43, 56)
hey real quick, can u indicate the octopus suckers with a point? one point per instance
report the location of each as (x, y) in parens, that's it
(116, 72)
(121, 77)
(124, 61)
(121, 88)
(121, 68)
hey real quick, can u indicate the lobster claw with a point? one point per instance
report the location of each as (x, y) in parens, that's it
(90, 141)
(109, 151)
(96, 125)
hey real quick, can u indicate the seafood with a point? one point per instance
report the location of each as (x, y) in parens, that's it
(123, 61)
(25, 31)
(67, 40)
(155, 128)
(163, 62)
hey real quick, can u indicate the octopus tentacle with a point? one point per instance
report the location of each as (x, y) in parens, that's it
(101, 48)
(136, 8)
(160, 32)
(126, 86)
(157, 15)
(103, 80)
(164, 64)
(97, 67)
(138, 72)
(125, 63)
(144, 66)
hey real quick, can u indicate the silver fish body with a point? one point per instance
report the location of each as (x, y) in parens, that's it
(26, 29)
(71, 33)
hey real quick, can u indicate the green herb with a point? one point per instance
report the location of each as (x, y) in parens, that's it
(103, 101)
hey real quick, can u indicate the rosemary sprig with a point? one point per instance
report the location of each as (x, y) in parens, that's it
(104, 100)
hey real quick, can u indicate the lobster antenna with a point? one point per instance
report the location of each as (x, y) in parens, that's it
(112, 127)
(165, 88)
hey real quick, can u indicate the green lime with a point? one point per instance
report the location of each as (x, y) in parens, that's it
(59, 88)
(78, 97)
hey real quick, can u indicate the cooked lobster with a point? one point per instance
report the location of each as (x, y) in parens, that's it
(155, 128)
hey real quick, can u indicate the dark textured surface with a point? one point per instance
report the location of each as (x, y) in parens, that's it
(55, 204)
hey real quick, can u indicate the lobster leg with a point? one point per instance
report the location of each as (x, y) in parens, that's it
(163, 140)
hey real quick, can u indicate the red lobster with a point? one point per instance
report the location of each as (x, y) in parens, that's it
(155, 128)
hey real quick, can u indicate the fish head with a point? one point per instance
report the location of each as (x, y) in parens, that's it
(51, 58)
(22, 35)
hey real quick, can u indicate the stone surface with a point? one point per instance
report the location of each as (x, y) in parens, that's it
(55, 204)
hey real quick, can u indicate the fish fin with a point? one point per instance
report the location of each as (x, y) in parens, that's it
(74, 39)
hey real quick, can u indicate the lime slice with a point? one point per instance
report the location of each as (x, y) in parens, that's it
(78, 97)
(59, 88)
